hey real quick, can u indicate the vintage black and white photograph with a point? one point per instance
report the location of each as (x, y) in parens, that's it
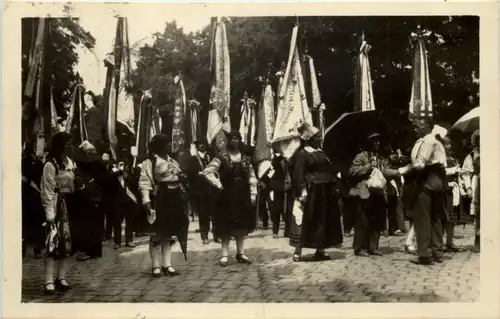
(249, 159)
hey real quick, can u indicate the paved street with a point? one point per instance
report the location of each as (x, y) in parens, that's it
(125, 275)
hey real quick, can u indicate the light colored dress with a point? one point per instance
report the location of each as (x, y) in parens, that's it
(58, 181)
(159, 184)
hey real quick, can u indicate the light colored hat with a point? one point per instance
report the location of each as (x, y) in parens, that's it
(439, 130)
(307, 131)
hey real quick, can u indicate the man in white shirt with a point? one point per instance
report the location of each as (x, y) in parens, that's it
(428, 205)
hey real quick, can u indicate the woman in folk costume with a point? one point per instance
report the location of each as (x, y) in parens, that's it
(161, 183)
(315, 220)
(471, 175)
(235, 216)
(58, 182)
(371, 219)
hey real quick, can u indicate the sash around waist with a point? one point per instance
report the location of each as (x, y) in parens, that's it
(320, 179)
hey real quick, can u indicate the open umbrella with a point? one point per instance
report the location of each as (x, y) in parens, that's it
(469, 122)
(345, 137)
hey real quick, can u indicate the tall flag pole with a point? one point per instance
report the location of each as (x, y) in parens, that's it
(145, 128)
(75, 123)
(421, 97)
(314, 100)
(218, 117)
(37, 90)
(125, 103)
(53, 112)
(110, 102)
(280, 74)
(265, 129)
(247, 120)
(119, 103)
(178, 134)
(363, 95)
(194, 123)
(293, 110)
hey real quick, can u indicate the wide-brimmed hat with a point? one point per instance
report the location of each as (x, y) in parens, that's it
(307, 131)
(201, 141)
(372, 136)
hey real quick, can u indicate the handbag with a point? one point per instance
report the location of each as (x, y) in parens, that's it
(376, 181)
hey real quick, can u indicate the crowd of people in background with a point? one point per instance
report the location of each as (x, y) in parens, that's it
(75, 198)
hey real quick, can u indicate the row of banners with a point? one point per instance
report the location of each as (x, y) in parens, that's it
(261, 125)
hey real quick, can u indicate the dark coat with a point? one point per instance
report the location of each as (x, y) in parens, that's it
(360, 171)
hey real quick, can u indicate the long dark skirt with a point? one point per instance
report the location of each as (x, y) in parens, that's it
(235, 216)
(321, 224)
(171, 216)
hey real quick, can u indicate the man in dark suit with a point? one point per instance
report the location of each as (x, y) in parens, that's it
(202, 199)
(371, 219)
(280, 185)
(124, 205)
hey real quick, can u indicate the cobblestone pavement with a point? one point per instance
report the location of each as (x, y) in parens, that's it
(125, 275)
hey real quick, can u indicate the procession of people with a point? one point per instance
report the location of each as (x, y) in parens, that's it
(280, 161)
(223, 191)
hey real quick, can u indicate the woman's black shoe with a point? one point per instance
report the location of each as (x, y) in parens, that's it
(49, 291)
(243, 259)
(427, 261)
(321, 256)
(361, 253)
(156, 272)
(223, 261)
(169, 271)
(62, 285)
(375, 253)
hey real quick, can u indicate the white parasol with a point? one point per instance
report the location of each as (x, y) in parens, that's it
(469, 122)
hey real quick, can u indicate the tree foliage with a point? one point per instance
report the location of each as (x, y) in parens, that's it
(65, 36)
(259, 45)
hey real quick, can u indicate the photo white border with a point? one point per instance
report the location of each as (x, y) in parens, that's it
(486, 307)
